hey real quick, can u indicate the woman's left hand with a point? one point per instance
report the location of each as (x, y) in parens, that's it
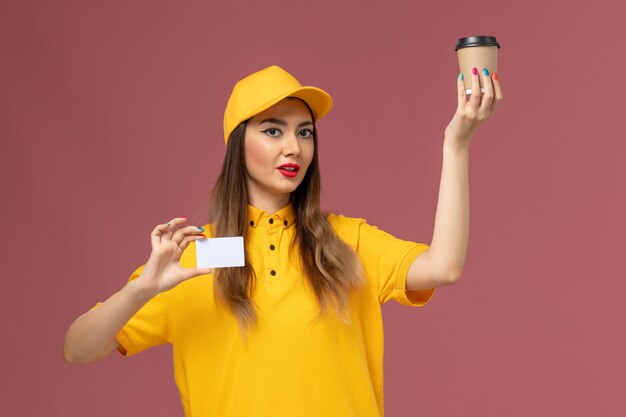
(472, 113)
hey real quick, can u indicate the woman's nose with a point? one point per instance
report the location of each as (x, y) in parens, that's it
(291, 145)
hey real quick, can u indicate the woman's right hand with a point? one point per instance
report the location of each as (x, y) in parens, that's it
(93, 335)
(163, 270)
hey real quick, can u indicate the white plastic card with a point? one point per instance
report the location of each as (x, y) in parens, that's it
(220, 252)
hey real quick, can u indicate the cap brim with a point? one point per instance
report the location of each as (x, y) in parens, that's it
(318, 99)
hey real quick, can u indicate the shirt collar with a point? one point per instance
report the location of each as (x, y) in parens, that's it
(284, 216)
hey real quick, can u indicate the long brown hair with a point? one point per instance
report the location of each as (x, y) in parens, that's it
(331, 267)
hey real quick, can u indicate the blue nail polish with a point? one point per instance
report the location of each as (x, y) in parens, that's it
(461, 76)
(485, 71)
(200, 229)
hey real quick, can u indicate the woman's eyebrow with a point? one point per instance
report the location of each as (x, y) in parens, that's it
(284, 123)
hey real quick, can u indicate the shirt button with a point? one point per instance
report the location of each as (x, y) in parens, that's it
(251, 222)
(271, 221)
(273, 272)
(285, 222)
(272, 247)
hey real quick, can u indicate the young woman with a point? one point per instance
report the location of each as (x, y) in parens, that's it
(298, 330)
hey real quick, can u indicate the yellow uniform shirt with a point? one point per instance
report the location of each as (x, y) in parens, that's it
(291, 365)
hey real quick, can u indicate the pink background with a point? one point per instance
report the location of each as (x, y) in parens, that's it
(111, 122)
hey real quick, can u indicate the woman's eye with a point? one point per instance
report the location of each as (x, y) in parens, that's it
(307, 133)
(272, 131)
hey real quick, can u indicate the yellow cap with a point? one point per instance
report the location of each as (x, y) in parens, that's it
(261, 90)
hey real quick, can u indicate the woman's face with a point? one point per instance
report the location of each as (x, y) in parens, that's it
(278, 151)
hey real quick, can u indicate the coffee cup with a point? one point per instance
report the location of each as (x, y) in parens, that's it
(480, 52)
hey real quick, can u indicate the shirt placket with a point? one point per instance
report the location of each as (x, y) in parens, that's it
(274, 231)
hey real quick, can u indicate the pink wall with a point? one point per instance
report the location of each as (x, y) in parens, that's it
(110, 122)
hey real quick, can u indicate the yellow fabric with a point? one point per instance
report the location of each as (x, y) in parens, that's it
(291, 366)
(262, 89)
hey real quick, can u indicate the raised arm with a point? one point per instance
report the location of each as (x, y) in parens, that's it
(92, 336)
(443, 262)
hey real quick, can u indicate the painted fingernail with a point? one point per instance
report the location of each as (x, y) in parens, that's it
(474, 71)
(183, 217)
(495, 75)
(461, 76)
(200, 229)
(485, 71)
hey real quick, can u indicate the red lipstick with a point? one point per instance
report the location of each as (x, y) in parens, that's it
(289, 170)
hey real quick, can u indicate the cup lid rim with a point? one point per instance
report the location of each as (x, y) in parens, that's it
(476, 41)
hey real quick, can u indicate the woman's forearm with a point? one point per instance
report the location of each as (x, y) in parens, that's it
(93, 334)
(451, 232)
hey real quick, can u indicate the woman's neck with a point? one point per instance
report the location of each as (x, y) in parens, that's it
(269, 204)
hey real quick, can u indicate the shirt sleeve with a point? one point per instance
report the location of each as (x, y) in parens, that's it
(387, 260)
(148, 327)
